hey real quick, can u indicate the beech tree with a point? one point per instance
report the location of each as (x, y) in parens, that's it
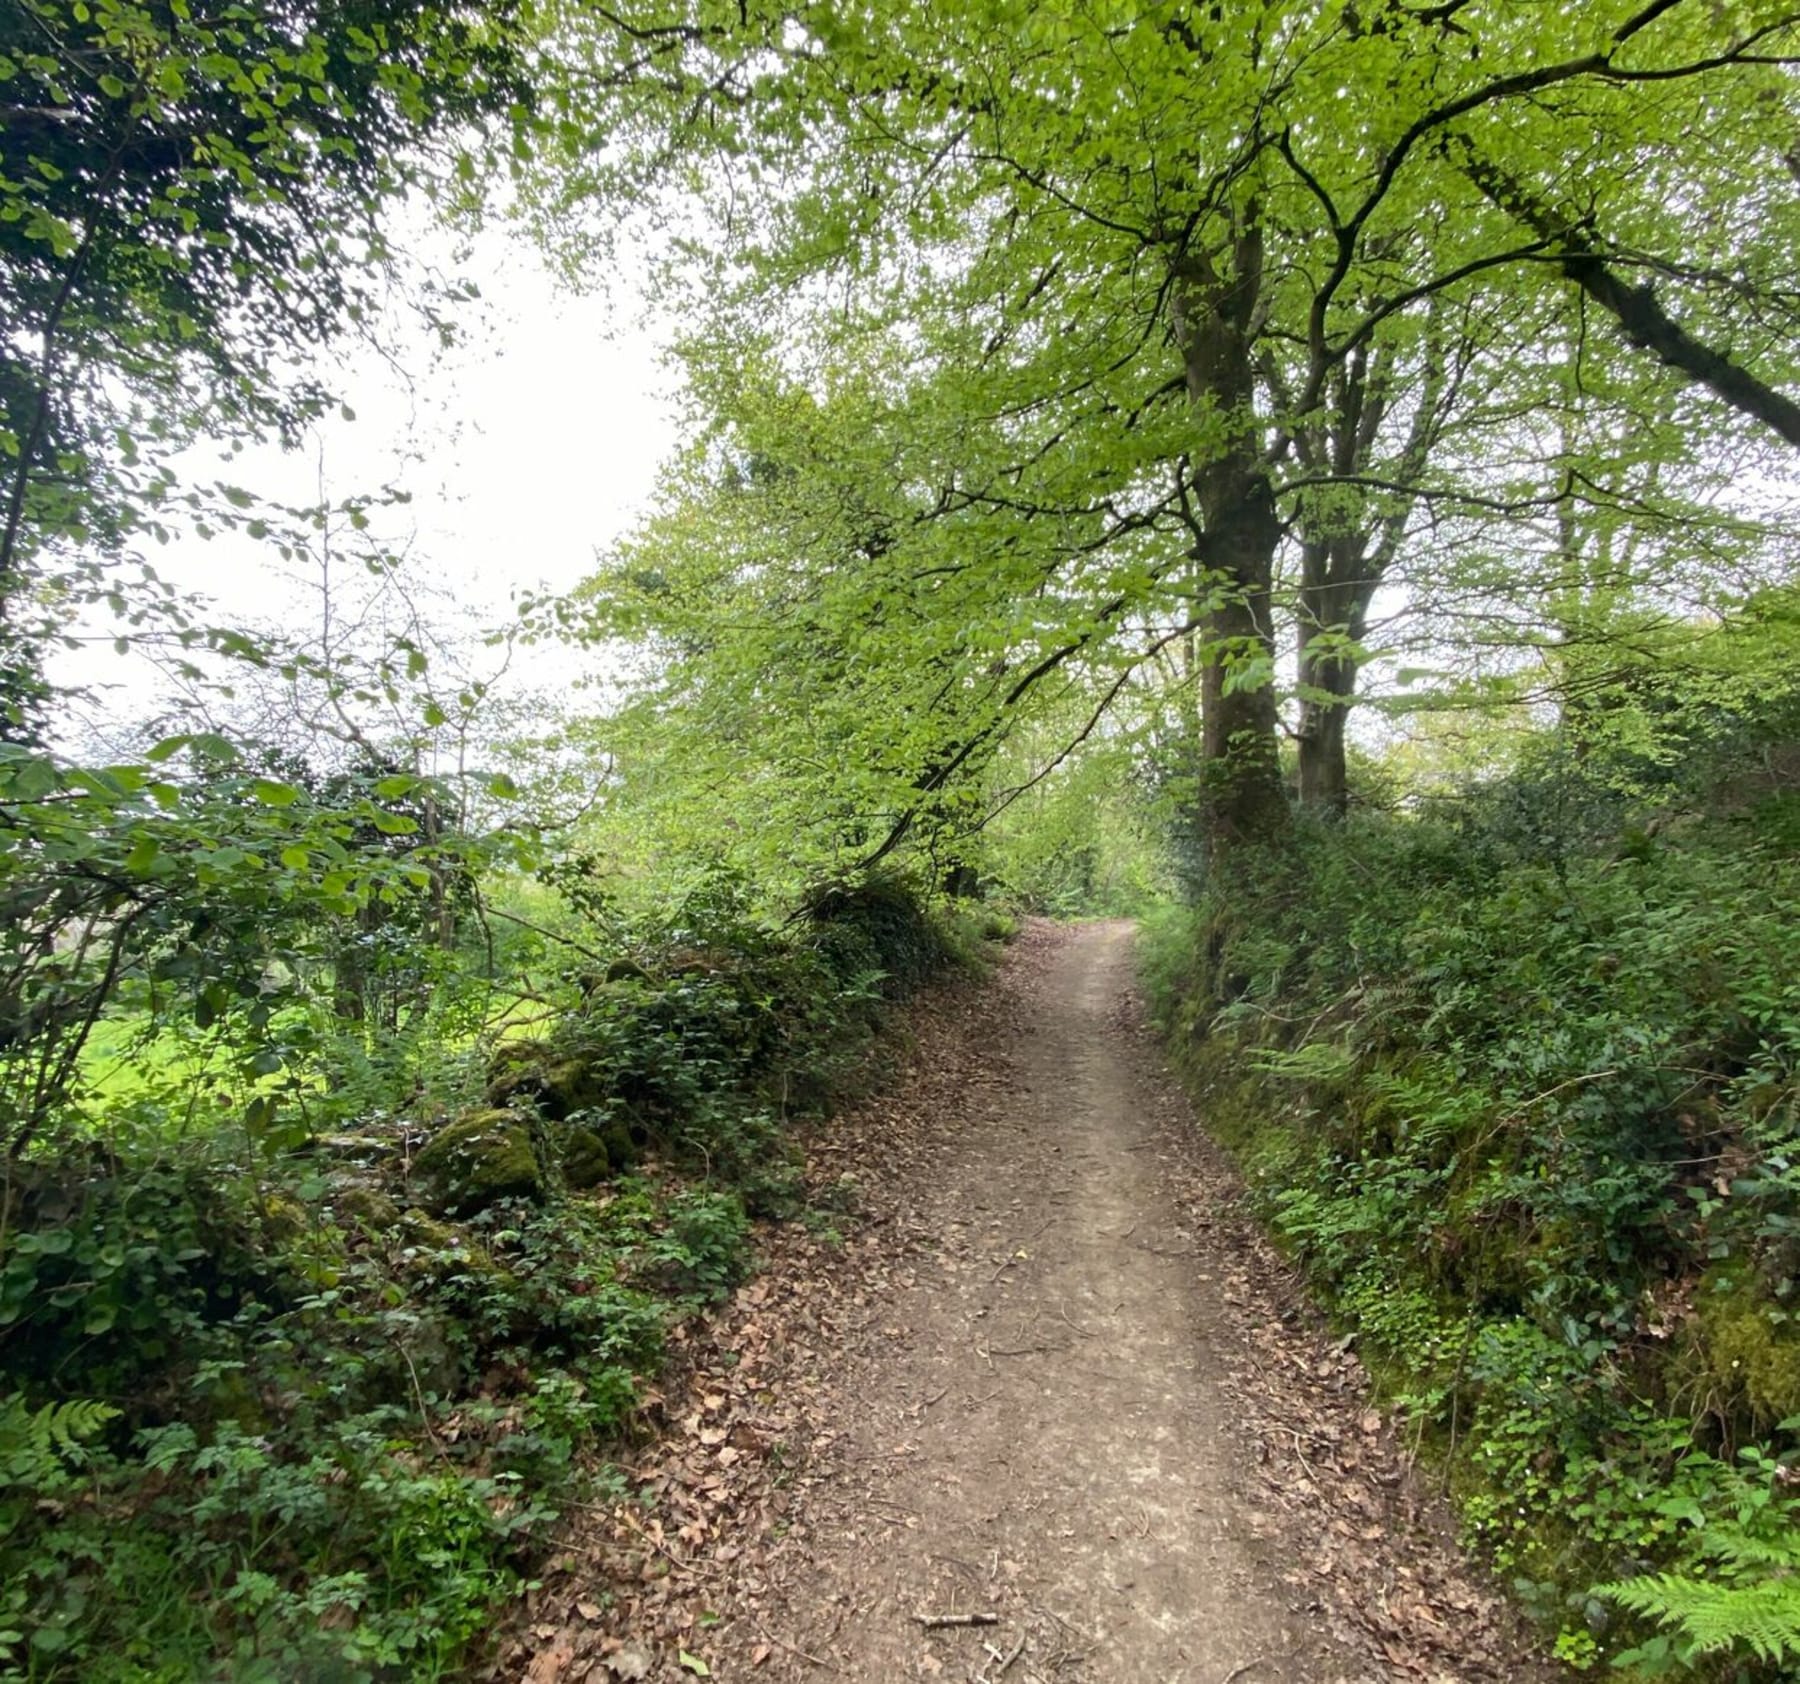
(1177, 282)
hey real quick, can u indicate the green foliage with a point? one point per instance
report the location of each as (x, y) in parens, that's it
(1740, 1595)
(877, 927)
(36, 1445)
(338, 1430)
(172, 179)
(1517, 1078)
(212, 896)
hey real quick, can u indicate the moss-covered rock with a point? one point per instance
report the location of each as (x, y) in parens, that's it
(434, 1251)
(367, 1207)
(533, 1073)
(1750, 1348)
(283, 1218)
(624, 1144)
(481, 1157)
(585, 1159)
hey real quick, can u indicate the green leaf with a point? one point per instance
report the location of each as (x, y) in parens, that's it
(30, 779)
(274, 794)
(693, 1664)
(145, 852)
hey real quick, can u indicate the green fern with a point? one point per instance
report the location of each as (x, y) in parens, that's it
(36, 1443)
(1314, 1061)
(1754, 1606)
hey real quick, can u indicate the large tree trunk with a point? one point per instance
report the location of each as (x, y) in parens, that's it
(1241, 794)
(1215, 303)
(1330, 683)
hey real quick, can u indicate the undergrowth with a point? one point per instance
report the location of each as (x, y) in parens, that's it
(1517, 1080)
(283, 1415)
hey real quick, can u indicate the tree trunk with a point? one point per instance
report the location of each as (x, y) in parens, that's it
(1329, 682)
(1215, 304)
(1337, 582)
(1241, 796)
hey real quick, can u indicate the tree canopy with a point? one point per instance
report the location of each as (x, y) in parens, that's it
(1196, 322)
(193, 199)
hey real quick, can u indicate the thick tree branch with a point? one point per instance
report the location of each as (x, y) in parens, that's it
(1641, 315)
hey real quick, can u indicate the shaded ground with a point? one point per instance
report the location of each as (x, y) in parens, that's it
(1054, 1377)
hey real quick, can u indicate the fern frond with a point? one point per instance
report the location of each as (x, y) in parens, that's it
(34, 1442)
(1762, 1616)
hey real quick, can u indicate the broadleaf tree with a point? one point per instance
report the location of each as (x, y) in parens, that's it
(1167, 295)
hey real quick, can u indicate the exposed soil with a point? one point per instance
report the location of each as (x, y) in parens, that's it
(1050, 1374)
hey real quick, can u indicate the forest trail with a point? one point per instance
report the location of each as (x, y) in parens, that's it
(1057, 1379)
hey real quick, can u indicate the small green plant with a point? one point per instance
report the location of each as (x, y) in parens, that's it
(1738, 1591)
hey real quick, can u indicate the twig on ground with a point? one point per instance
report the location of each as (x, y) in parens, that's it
(1000, 1662)
(663, 1550)
(934, 1622)
(779, 1644)
(1020, 1253)
(1238, 1672)
(1080, 1332)
(1300, 1456)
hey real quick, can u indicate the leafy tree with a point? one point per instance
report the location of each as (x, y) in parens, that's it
(1180, 286)
(191, 199)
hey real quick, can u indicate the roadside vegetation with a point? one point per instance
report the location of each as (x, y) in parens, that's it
(1320, 478)
(1515, 1073)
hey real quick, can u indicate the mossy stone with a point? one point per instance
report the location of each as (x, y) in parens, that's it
(1750, 1348)
(367, 1207)
(621, 1147)
(585, 1159)
(284, 1218)
(530, 1074)
(479, 1158)
(438, 1251)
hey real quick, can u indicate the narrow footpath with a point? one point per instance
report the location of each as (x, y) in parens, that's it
(1048, 1379)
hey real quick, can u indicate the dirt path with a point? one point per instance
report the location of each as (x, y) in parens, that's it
(1057, 1380)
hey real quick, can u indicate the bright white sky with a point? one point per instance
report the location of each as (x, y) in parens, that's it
(525, 448)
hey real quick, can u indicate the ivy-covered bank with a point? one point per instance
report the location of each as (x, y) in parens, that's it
(313, 1415)
(1516, 1078)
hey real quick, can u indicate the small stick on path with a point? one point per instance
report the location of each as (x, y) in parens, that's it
(1004, 1662)
(934, 1622)
(780, 1644)
(1238, 1672)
